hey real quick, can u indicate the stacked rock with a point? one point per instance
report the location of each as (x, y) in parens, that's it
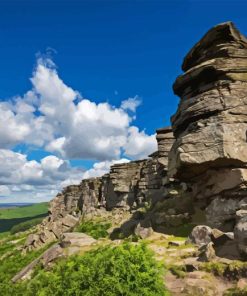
(210, 125)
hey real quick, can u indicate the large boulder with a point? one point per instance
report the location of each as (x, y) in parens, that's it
(200, 235)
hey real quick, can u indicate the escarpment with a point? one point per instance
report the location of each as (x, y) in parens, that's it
(127, 186)
(201, 161)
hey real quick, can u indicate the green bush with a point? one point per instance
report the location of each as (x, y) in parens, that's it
(11, 265)
(25, 225)
(95, 229)
(125, 270)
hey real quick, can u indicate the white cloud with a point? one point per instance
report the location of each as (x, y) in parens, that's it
(101, 168)
(19, 175)
(131, 104)
(56, 118)
(139, 145)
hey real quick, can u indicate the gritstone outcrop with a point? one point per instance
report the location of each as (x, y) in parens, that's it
(210, 126)
(127, 186)
(201, 162)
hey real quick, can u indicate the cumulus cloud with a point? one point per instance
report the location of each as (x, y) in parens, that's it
(16, 169)
(54, 116)
(58, 119)
(139, 144)
(20, 177)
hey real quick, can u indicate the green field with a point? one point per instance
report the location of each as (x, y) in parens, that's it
(13, 216)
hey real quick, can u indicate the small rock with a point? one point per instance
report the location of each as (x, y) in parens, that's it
(207, 253)
(143, 232)
(176, 243)
(242, 283)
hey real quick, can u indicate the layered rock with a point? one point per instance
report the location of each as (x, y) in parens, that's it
(127, 186)
(204, 167)
(210, 125)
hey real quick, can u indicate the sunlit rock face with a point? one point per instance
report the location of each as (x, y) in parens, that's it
(211, 120)
(127, 186)
(210, 125)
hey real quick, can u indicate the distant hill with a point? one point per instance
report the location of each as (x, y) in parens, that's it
(14, 214)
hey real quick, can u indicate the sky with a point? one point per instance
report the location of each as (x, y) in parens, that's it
(85, 84)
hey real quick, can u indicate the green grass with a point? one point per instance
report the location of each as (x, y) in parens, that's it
(13, 216)
(95, 229)
(24, 211)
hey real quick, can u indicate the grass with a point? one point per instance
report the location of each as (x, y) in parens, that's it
(95, 229)
(13, 216)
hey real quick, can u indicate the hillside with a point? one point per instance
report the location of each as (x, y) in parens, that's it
(11, 217)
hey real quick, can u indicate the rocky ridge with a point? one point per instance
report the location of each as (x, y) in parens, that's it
(198, 175)
(128, 186)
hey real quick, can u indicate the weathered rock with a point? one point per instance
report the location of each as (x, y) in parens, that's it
(128, 186)
(143, 232)
(228, 249)
(200, 235)
(207, 253)
(221, 212)
(240, 234)
(76, 239)
(48, 256)
(210, 148)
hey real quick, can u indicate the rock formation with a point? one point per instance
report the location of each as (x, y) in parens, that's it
(210, 126)
(200, 164)
(127, 186)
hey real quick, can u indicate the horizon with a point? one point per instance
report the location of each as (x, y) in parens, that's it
(85, 84)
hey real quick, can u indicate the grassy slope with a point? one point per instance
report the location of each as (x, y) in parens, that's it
(13, 216)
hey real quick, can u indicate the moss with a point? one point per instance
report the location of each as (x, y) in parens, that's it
(177, 270)
(235, 292)
(234, 270)
(216, 268)
(95, 229)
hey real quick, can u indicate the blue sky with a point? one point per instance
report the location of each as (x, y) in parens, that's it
(103, 51)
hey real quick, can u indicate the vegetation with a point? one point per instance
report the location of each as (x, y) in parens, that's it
(24, 211)
(12, 216)
(179, 271)
(125, 270)
(234, 270)
(12, 261)
(26, 225)
(95, 229)
(236, 292)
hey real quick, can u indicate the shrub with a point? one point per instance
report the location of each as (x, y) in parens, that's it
(95, 229)
(25, 225)
(125, 270)
(12, 264)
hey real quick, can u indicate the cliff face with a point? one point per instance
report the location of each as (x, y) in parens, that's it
(210, 125)
(203, 166)
(127, 186)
